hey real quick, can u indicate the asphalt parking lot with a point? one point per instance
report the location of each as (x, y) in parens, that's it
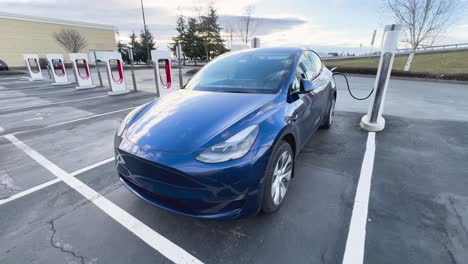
(61, 200)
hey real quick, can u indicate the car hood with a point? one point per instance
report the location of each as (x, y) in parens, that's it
(185, 119)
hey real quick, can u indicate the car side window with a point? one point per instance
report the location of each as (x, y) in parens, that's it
(300, 74)
(308, 67)
(316, 62)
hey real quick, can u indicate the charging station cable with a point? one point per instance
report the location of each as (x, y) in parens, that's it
(349, 88)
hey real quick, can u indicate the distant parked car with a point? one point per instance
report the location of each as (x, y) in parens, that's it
(43, 62)
(3, 66)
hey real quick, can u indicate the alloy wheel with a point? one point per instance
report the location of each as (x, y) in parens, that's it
(332, 112)
(281, 177)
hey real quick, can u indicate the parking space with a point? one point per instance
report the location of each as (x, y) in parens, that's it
(418, 208)
(61, 200)
(18, 172)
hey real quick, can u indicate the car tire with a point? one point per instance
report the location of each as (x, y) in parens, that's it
(328, 121)
(278, 177)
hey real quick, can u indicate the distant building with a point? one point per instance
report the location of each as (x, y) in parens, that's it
(29, 34)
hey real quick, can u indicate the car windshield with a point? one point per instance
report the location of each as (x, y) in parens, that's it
(244, 72)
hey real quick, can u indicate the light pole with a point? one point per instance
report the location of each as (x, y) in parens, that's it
(146, 34)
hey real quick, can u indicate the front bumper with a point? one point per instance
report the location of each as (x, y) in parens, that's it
(179, 183)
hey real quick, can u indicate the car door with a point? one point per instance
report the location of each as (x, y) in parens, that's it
(314, 96)
(321, 81)
(302, 113)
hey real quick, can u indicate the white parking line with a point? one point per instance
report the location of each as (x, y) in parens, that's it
(75, 120)
(56, 103)
(354, 250)
(29, 191)
(52, 182)
(92, 166)
(70, 91)
(148, 235)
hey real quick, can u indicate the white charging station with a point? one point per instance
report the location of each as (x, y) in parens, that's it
(374, 121)
(82, 72)
(116, 82)
(57, 65)
(158, 56)
(34, 68)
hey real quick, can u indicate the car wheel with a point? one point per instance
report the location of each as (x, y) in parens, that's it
(330, 115)
(278, 177)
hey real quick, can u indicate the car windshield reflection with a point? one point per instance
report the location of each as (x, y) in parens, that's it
(243, 72)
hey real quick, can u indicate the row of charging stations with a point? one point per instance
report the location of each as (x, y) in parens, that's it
(114, 68)
(81, 70)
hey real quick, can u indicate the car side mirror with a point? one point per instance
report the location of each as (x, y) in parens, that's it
(305, 86)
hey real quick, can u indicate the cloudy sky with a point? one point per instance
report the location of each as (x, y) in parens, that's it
(330, 25)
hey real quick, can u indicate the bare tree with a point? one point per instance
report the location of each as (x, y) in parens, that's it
(71, 40)
(422, 20)
(229, 29)
(248, 24)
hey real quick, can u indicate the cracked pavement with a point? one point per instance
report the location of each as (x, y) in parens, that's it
(64, 247)
(7, 187)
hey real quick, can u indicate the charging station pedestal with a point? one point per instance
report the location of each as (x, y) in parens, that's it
(116, 83)
(165, 57)
(57, 64)
(374, 121)
(83, 77)
(34, 68)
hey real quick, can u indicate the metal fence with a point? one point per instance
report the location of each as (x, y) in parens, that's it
(428, 49)
(436, 48)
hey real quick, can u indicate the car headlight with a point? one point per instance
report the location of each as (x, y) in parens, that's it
(127, 119)
(233, 148)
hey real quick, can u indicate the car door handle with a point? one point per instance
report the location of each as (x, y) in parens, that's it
(292, 119)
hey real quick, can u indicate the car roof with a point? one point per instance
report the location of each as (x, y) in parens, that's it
(291, 50)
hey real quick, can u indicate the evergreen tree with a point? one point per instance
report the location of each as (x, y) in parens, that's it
(193, 43)
(144, 40)
(136, 48)
(181, 36)
(122, 50)
(210, 33)
(199, 37)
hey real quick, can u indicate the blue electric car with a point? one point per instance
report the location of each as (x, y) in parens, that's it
(224, 146)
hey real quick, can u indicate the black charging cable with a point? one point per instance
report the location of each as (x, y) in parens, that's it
(349, 88)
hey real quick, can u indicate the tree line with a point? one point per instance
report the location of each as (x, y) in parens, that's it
(200, 36)
(139, 43)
